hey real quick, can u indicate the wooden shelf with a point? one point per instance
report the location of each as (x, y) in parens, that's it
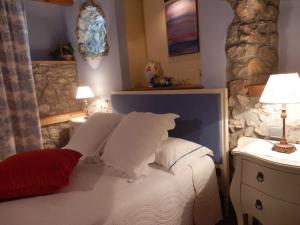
(53, 62)
(59, 2)
(61, 118)
(166, 88)
(255, 90)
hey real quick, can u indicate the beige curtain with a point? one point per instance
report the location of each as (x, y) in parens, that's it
(19, 119)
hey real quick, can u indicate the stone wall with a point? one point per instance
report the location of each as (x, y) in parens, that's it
(252, 55)
(56, 135)
(55, 86)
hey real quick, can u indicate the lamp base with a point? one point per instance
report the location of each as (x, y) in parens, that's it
(86, 107)
(284, 147)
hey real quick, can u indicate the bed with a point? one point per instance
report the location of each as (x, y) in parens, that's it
(98, 194)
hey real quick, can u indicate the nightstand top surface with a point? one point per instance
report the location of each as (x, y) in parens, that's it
(81, 119)
(263, 149)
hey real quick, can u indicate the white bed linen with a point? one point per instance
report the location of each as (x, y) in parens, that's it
(98, 196)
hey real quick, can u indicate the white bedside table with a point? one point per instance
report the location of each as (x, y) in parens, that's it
(75, 123)
(266, 184)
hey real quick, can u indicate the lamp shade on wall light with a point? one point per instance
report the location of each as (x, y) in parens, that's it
(84, 92)
(282, 89)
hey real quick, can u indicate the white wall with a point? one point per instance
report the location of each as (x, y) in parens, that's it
(289, 36)
(215, 16)
(110, 75)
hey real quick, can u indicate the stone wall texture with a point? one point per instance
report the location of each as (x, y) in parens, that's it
(56, 86)
(252, 55)
(56, 135)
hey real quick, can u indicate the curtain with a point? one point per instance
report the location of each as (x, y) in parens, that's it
(19, 119)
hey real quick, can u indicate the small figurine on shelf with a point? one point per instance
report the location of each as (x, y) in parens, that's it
(153, 81)
(153, 71)
(157, 81)
(166, 81)
(63, 51)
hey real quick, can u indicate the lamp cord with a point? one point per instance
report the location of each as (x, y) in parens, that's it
(268, 140)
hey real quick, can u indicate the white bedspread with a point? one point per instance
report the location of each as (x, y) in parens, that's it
(98, 196)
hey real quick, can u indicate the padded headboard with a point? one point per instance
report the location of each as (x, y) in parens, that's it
(203, 118)
(201, 113)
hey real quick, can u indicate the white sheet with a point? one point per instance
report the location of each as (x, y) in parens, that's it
(97, 195)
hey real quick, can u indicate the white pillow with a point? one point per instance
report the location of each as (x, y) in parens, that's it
(133, 144)
(176, 153)
(88, 138)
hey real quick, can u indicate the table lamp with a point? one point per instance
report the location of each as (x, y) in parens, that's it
(84, 92)
(282, 89)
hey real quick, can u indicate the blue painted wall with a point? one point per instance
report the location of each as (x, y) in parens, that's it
(289, 32)
(215, 16)
(46, 28)
(50, 24)
(111, 74)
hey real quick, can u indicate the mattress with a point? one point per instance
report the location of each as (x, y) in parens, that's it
(98, 195)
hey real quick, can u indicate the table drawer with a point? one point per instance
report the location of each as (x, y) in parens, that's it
(268, 210)
(282, 185)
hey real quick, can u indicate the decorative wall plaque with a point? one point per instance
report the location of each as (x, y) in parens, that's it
(91, 31)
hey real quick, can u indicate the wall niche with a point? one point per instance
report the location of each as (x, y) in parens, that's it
(55, 85)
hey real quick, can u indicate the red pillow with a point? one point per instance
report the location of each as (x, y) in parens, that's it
(37, 172)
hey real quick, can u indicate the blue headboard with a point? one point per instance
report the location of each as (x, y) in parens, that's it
(202, 113)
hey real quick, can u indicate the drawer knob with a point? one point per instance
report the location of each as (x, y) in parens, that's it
(258, 204)
(260, 177)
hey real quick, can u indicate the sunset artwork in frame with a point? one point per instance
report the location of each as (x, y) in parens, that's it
(182, 27)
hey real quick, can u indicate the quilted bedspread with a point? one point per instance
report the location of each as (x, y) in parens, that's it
(98, 195)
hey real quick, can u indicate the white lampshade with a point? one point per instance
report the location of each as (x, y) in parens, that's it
(282, 88)
(84, 92)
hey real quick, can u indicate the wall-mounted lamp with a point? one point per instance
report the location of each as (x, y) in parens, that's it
(84, 92)
(282, 89)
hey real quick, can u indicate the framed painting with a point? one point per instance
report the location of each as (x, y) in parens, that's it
(182, 27)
